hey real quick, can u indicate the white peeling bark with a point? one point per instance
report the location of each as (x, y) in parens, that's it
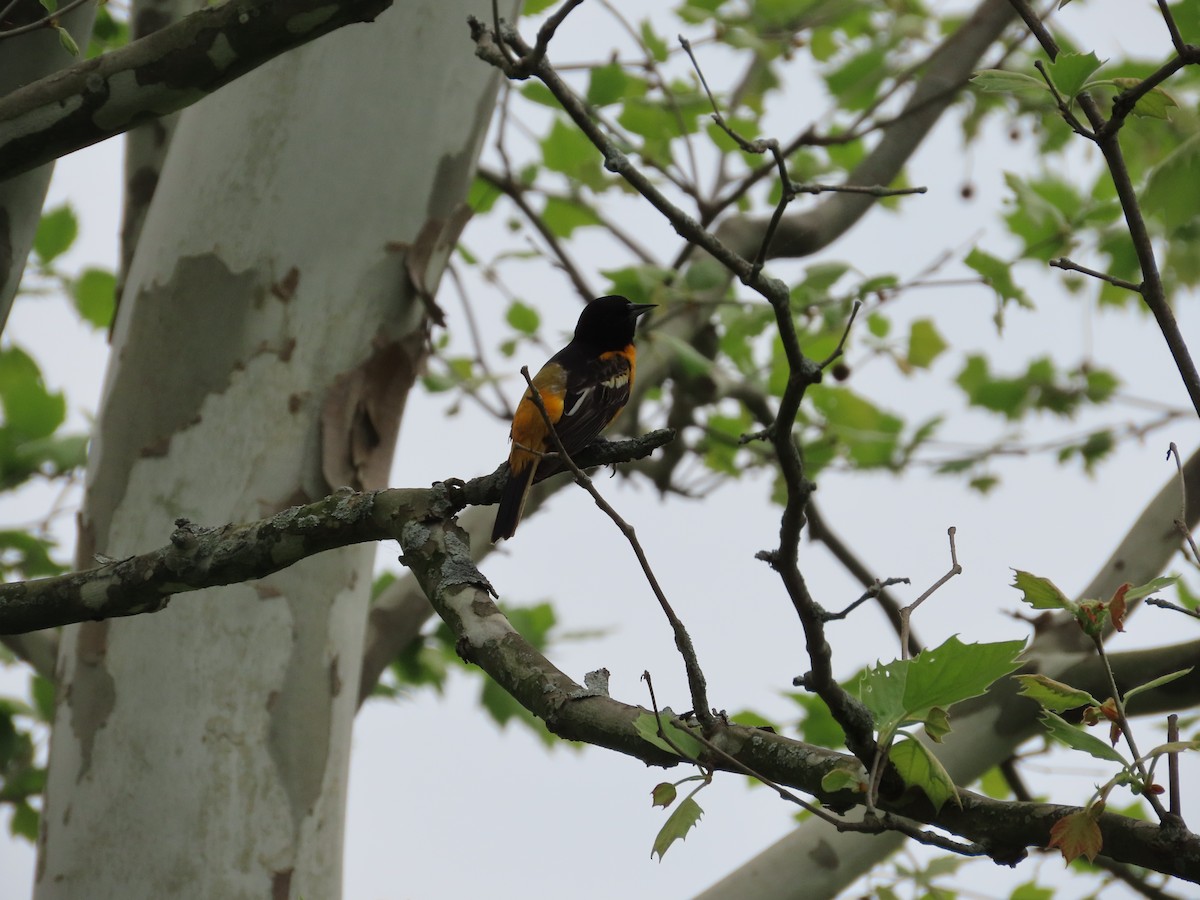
(27, 58)
(266, 342)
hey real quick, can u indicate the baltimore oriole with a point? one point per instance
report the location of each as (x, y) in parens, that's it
(583, 387)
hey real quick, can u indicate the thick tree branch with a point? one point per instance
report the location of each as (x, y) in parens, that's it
(947, 71)
(159, 74)
(436, 551)
(200, 557)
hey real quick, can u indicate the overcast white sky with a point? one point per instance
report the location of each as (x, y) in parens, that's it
(443, 804)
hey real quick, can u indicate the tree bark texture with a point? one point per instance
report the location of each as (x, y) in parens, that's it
(267, 338)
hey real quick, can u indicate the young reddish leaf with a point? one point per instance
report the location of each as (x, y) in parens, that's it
(1076, 835)
(1116, 606)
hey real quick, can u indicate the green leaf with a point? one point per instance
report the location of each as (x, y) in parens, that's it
(27, 555)
(607, 84)
(1054, 694)
(55, 234)
(523, 318)
(566, 150)
(24, 821)
(1078, 739)
(1000, 81)
(1030, 890)
(1155, 104)
(1070, 71)
(663, 794)
(66, 41)
(1040, 593)
(1156, 683)
(30, 411)
(678, 824)
(95, 293)
(647, 726)
(845, 778)
(868, 434)
(818, 725)
(924, 343)
(1150, 587)
(909, 690)
(920, 768)
(563, 215)
(656, 45)
(998, 275)
(42, 691)
(483, 195)
(689, 359)
(533, 7)
(1173, 189)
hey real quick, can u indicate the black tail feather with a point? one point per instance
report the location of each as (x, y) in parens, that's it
(512, 503)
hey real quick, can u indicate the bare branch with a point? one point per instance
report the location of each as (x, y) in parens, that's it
(199, 557)
(683, 640)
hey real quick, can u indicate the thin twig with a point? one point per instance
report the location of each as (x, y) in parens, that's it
(50, 21)
(1063, 263)
(1174, 607)
(1181, 522)
(662, 732)
(873, 190)
(683, 641)
(841, 344)
(1173, 767)
(906, 613)
(1122, 722)
(1169, 19)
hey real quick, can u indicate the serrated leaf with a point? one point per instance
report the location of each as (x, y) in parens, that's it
(1075, 835)
(1040, 593)
(920, 768)
(647, 726)
(1054, 694)
(1154, 104)
(663, 794)
(678, 824)
(1070, 71)
(1078, 739)
(907, 691)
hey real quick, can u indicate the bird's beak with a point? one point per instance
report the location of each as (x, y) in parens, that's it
(640, 309)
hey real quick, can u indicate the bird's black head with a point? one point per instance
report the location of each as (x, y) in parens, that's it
(608, 323)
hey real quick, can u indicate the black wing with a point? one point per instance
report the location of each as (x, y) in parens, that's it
(597, 389)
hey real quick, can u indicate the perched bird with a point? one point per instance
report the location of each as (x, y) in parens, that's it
(583, 387)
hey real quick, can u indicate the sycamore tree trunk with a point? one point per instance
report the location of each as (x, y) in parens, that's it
(24, 59)
(269, 331)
